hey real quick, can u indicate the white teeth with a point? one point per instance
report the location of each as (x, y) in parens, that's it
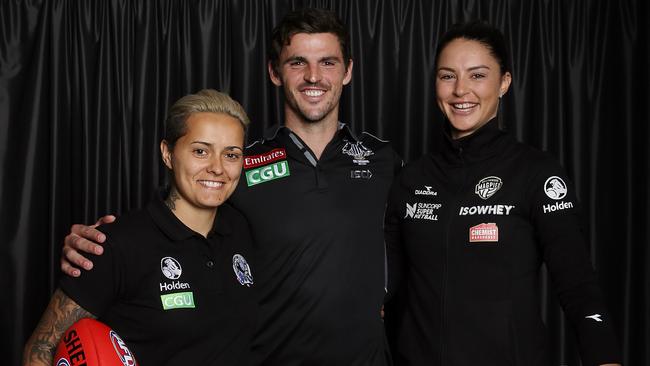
(211, 184)
(463, 105)
(314, 93)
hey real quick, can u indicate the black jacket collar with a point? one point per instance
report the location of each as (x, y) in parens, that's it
(480, 145)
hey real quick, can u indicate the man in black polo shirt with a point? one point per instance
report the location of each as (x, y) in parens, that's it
(314, 193)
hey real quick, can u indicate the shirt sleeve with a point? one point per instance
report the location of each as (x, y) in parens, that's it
(96, 290)
(555, 214)
(393, 237)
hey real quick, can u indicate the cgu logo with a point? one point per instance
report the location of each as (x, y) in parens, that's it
(267, 173)
(177, 300)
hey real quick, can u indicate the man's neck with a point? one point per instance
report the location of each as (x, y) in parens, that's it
(315, 134)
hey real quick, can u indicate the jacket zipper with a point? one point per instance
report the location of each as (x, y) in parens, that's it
(445, 263)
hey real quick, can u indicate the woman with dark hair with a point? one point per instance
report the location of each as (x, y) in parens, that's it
(174, 280)
(469, 226)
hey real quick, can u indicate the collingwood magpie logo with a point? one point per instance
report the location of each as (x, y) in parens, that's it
(171, 268)
(555, 188)
(357, 151)
(488, 186)
(242, 270)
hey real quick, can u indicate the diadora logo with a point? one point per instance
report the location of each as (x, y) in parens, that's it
(488, 186)
(263, 159)
(483, 233)
(360, 174)
(171, 268)
(425, 192)
(242, 270)
(422, 211)
(486, 210)
(267, 173)
(122, 350)
(555, 188)
(177, 300)
(358, 152)
(595, 317)
(62, 362)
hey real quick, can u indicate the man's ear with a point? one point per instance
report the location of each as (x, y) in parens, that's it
(166, 153)
(273, 75)
(348, 73)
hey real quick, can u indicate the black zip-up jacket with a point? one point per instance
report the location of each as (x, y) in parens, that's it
(467, 230)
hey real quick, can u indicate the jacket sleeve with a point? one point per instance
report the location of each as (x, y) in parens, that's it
(555, 215)
(394, 248)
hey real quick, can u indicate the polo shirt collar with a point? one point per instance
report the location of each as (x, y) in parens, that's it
(174, 228)
(271, 133)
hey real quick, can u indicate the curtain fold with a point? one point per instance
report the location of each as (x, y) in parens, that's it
(85, 85)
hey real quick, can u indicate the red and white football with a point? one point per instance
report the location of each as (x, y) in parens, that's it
(92, 343)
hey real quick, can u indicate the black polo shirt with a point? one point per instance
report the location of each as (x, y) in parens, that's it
(174, 296)
(317, 227)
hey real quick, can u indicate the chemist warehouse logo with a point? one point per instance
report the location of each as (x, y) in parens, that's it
(171, 268)
(266, 167)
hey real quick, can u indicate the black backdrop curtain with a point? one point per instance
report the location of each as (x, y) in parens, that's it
(84, 87)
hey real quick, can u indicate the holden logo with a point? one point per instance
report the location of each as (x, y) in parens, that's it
(488, 186)
(555, 188)
(170, 268)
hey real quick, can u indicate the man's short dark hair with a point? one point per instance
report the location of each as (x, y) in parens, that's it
(308, 20)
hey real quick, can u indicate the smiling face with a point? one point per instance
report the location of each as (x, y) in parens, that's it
(469, 84)
(206, 162)
(312, 72)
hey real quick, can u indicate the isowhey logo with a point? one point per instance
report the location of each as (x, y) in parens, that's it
(242, 270)
(422, 211)
(267, 173)
(486, 210)
(488, 186)
(122, 350)
(171, 268)
(555, 188)
(263, 159)
(357, 151)
(425, 192)
(484, 233)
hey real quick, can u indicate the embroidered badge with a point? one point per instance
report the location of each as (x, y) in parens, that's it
(358, 152)
(488, 186)
(171, 268)
(483, 233)
(242, 270)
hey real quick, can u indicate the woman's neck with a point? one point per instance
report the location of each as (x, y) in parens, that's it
(198, 219)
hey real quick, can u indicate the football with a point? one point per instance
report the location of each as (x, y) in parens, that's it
(92, 343)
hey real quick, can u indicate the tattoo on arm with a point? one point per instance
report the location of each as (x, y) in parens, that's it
(172, 198)
(60, 314)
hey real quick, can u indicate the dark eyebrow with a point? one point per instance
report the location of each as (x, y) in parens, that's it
(201, 142)
(473, 68)
(234, 148)
(295, 58)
